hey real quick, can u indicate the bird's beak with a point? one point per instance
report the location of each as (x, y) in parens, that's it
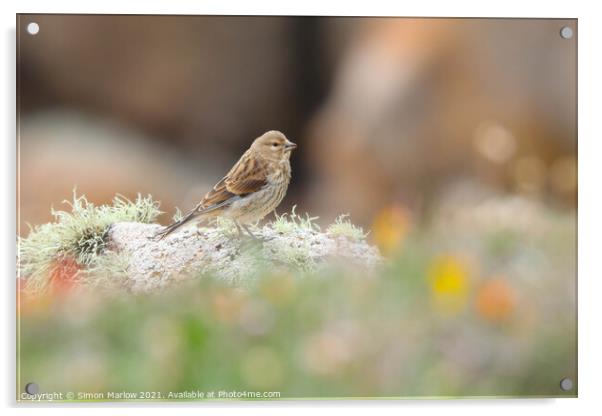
(290, 146)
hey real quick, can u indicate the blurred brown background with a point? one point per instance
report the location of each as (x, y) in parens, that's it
(385, 110)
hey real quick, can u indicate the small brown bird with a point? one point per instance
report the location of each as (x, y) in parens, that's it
(253, 188)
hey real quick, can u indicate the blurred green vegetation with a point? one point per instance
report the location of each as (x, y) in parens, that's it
(489, 311)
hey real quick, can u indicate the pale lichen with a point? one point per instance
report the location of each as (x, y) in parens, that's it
(343, 227)
(108, 271)
(178, 215)
(80, 235)
(289, 222)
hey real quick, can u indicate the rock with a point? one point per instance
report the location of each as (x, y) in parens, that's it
(153, 264)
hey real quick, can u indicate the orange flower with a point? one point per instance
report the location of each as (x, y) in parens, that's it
(390, 227)
(496, 300)
(63, 275)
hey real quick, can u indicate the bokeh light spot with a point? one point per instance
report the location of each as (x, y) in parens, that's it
(449, 279)
(390, 227)
(494, 142)
(496, 300)
(262, 368)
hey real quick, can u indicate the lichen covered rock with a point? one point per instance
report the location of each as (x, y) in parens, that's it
(156, 263)
(112, 247)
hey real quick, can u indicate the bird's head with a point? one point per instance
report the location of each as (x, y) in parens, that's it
(273, 146)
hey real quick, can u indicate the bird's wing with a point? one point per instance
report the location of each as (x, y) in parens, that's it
(248, 175)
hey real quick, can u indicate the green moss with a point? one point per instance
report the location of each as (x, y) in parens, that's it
(342, 227)
(79, 234)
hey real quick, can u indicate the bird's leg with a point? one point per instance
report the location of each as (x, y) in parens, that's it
(247, 238)
(254, 236)
(241, 226)
(249, 232)
(240, 233)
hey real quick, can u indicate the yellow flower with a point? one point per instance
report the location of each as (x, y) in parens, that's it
(449, 278)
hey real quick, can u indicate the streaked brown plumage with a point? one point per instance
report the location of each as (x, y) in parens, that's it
(253, 188)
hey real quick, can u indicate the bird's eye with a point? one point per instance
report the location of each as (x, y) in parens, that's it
(274, 144)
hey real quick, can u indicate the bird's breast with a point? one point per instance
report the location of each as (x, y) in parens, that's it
(256, 205)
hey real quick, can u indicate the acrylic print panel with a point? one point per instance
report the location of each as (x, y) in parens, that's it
(396, 218)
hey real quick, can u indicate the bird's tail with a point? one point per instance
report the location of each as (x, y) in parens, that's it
(198, 211)
(174, 226)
